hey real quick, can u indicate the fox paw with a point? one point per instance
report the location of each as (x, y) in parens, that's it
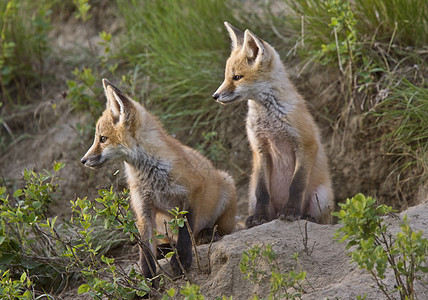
(256, 220)
(205, 236)
(186, 261)
(290, 214)
(309, 218)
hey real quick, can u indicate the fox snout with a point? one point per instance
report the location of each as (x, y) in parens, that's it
(92, 161)
(225, 95)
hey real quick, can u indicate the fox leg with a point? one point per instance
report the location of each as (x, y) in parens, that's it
(319, 204)
(205, 236)
(293, 209)
(184, 248)
(227, 222)
(147, 249)
(260, 214)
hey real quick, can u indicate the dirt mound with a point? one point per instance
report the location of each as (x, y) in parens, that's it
(329, 271)
(330, 274)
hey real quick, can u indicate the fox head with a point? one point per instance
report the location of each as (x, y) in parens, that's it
(114, 129)
(249, 68)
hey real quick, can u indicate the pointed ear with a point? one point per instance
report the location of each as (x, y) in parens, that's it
(254, 47)
(118, 103)
(236, 35)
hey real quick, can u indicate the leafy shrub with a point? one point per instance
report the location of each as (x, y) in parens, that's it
(85, 91)
(15, 289)
(282, 285)
(376, 250)
(23, 245)
(39, 253)
(57, 254)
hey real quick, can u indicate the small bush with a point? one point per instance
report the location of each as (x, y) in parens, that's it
(23, 245)
(376, 250)
(282, 285)
(53, 253)
(46, 254)
(15, 289)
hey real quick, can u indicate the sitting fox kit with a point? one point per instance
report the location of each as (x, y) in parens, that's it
(290, 177)
(162, 174)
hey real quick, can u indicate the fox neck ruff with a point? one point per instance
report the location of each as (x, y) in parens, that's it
(268, 102)
(153, 172)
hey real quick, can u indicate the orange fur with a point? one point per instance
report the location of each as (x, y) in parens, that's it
(290, 177)
(162, 173)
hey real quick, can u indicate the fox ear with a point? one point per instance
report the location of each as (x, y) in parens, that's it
(254, 47)
(236, 35)
(118, 103)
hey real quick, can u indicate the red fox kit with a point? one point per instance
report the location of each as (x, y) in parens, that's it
(162, 174)
(290, 177)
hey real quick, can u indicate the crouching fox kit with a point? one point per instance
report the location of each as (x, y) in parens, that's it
(290, 177)
(162, 174)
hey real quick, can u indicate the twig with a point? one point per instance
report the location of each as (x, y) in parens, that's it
(8, 129)
(192, 238)
(209, 249)
(391, 260)
(305, 239)
(175, 252)
(381, 285)
(338, 50)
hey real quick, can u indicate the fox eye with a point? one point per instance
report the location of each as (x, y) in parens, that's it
(237, 77)
(103, 139)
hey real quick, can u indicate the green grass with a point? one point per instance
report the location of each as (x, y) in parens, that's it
(177, 53)
(24, 27)
(404, 22)
(403, 117)
(379, 50)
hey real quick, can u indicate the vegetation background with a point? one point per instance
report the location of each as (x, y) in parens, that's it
(361, 66)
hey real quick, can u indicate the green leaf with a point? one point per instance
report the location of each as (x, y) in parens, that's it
(169, 254)
(84, 288)
(58, 166)
(171, 292)
(37, 205)
(18, 193)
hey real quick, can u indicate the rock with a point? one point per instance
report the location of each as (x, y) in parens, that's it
(330, 274)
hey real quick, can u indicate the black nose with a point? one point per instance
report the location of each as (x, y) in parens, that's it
(83, 160)
(215, 96)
